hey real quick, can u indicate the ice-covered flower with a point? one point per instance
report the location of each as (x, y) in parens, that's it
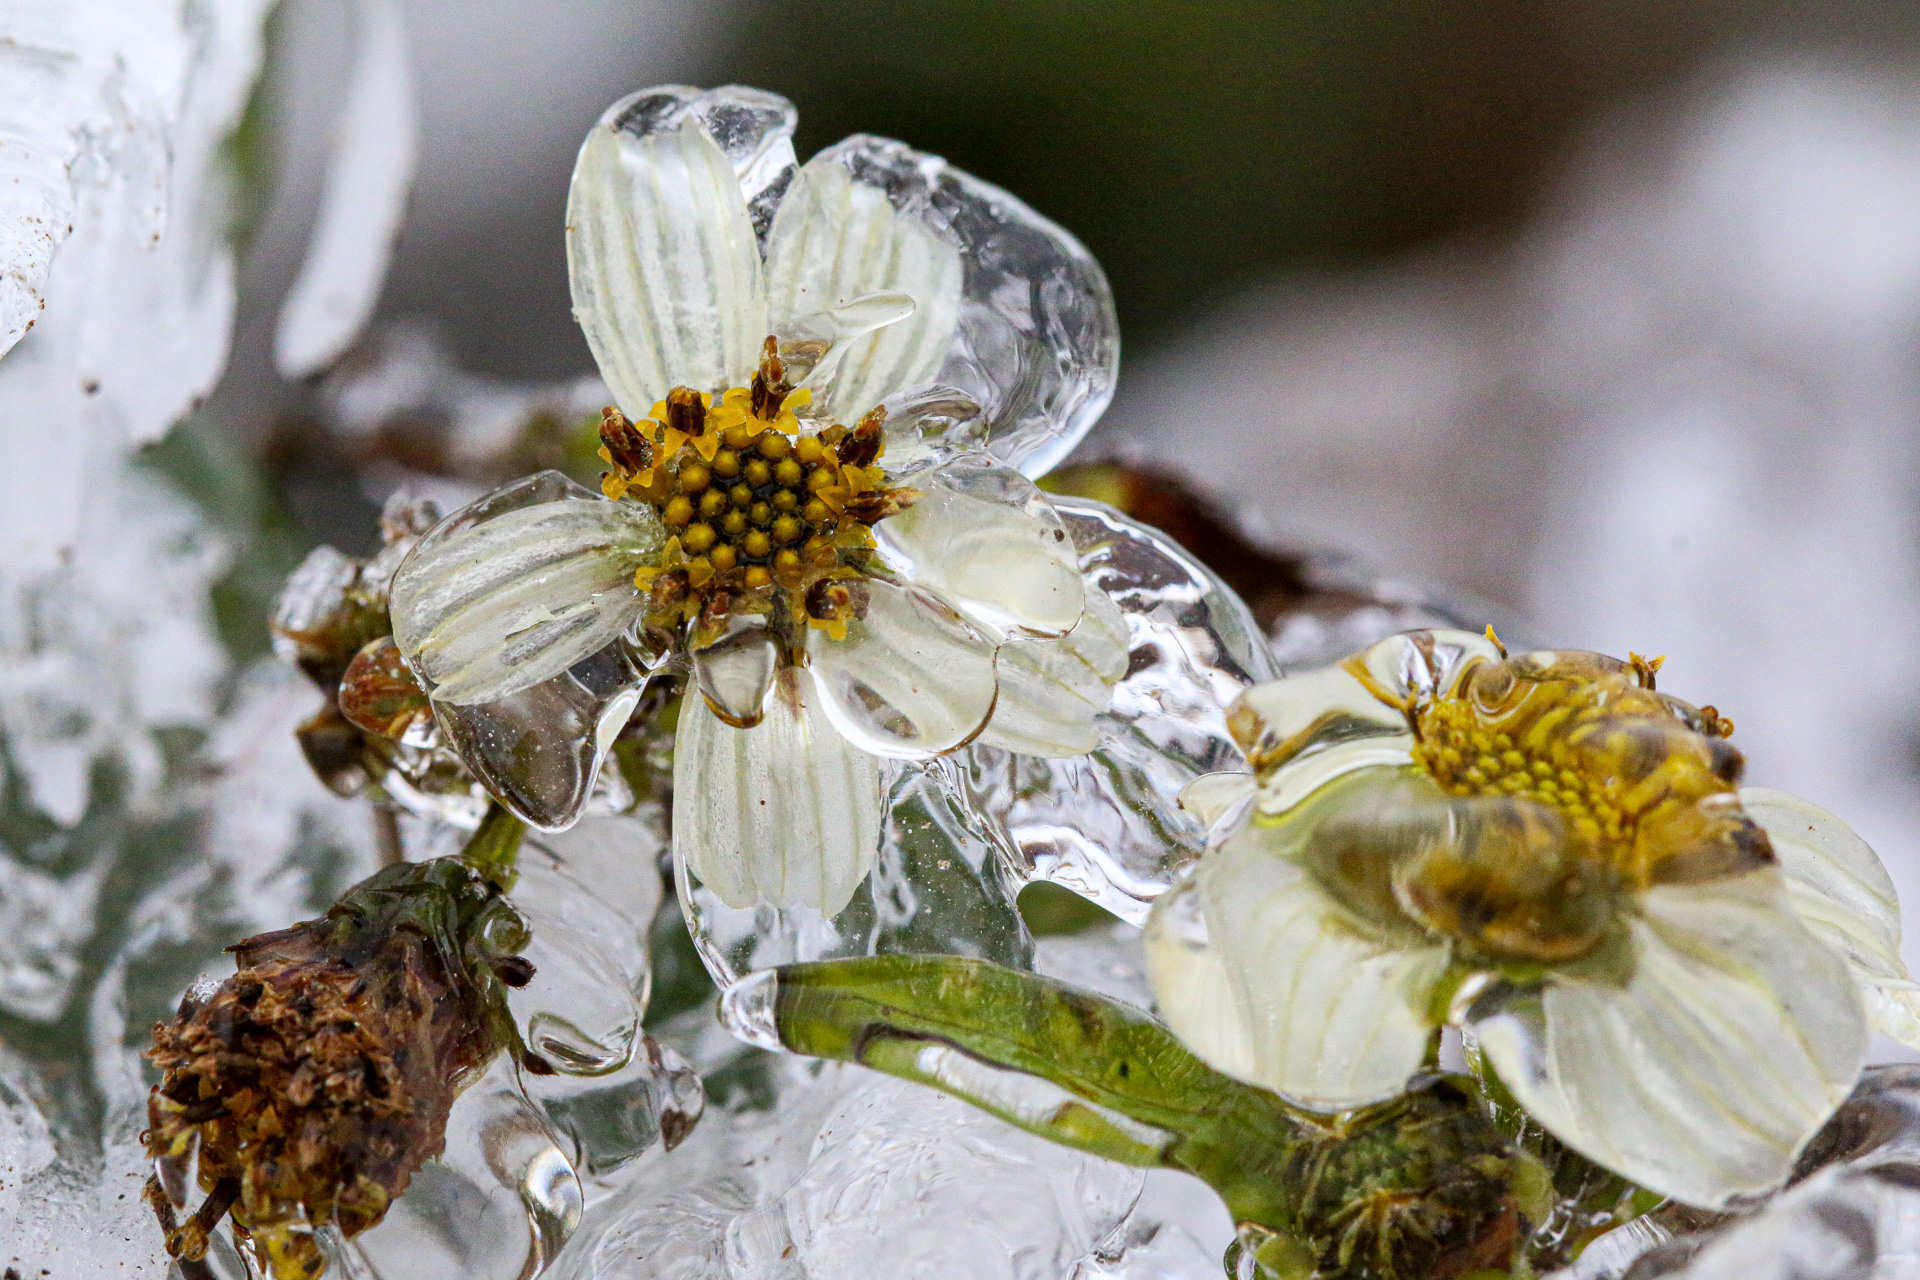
(1672, 974)
(829, 380)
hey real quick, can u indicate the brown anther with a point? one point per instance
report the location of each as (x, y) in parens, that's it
(834, 599)
(770, 387)
(686, 411)
(872, 508)
(862, 445)
(628, 449)
(670, 589)
(1645, 668)
(1714, 724)
(718, 605)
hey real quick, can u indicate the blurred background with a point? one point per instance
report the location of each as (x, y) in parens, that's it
(1604, 312)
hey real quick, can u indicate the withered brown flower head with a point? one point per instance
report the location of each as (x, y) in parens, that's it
(307, 1089)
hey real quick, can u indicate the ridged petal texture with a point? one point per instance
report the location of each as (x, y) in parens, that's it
(985, 538)
(661, 246)
(1703, 1073)
(520, 586)
(1037, 344)
(911, 679)
(1846, 899)
(785, 814)
(1266, 978)
(836, 238)
(1053, 692)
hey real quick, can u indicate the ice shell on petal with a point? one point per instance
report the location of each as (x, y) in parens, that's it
(735, 673)
(786, 813)
(837, 237)
(1703, 1074)
(928, 428)
(1212, 796)
(983, 536)
(910, 679)
(1302, 731)
(1192, 989)
(1107, 824)
(1846, 899)
(812, 346)
(539, 750)
(1332, 1014)
(938, 885)
(513, 590)
(1037, 344)
(1053, 692)
(1423, 662)
(661, 251)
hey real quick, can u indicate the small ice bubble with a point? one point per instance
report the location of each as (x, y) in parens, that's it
(748, 1008)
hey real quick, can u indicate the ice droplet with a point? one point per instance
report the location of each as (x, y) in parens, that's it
(748, 1009)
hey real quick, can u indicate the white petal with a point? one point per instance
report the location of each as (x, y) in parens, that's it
(983, 536)
(910, 679)
(1334, 1015)
(786, 813)
(815, 345)
(518, 587)
(735, 673)
(661, 250)
(836, 238)
(1195, 995)
(1846, 899)
(1036, 345)
(1705, 1073)
(1052, 692)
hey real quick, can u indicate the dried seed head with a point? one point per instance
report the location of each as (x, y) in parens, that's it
(314, 1082)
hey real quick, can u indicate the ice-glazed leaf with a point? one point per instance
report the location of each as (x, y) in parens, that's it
(985, 538)
(513, 590)
(1036, 345)
(785, 814)
(1846, 899)
(1053, 692)
(666, 275)
(1288, 989)
(374, 145)
(836, 238)
(1700, 1069)
(910, 678)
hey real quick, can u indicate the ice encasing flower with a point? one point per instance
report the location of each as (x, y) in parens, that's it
(829, 380)
(1666, 970)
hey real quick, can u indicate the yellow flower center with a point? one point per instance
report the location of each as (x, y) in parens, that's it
(762, 514)
(1645, 784)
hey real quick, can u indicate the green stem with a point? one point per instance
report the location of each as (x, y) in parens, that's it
(1422, 1182)
(494, 848)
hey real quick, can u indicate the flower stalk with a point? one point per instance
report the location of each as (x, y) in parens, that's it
(1424, 1185)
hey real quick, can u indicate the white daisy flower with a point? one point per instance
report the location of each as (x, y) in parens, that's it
(832, 383)
(1672, 974)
